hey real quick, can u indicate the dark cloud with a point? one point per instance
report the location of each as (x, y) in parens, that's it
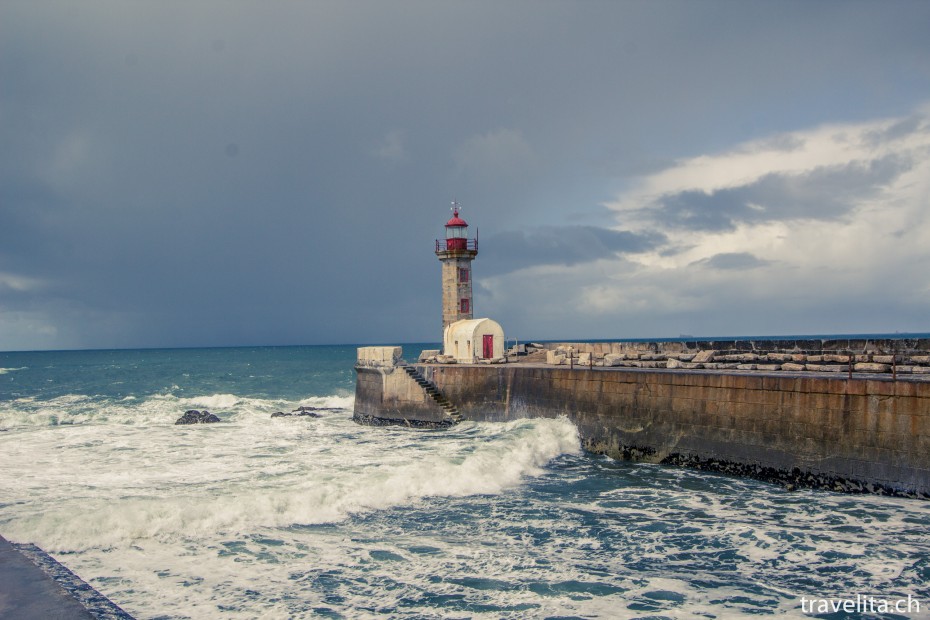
(900, 129)
(732, 260)
(784, 143)
(564, 245)
(212, 173)
(825, 193)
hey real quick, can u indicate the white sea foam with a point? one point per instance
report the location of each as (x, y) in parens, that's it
(4, 371)
(130, 483)
(159, 409)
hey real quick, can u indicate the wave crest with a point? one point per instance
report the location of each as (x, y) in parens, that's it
(340, 471)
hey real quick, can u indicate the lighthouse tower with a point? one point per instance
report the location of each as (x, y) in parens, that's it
(456, 252)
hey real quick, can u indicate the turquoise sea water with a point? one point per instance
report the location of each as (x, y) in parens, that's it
(296, 517)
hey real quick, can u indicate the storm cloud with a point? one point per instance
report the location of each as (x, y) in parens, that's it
(214, 173)
(565, 245)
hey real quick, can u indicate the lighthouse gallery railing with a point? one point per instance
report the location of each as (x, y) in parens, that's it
(443, 245)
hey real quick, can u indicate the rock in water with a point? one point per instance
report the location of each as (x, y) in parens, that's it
(197, 417)
(300, 413)
(304, 412)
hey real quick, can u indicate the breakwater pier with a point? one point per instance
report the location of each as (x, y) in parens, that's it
(843, 415)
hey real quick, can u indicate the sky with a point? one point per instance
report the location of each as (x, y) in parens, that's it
(223, 173)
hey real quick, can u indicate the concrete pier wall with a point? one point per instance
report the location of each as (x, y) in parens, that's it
(847, 434)
(386, 395)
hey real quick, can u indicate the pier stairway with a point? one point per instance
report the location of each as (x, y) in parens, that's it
(451, 411)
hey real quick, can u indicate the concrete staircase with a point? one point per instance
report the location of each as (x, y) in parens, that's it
(451, 411)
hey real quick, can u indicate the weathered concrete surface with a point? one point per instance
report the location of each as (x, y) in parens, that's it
(813, 346)
(905, 356)
(377, 357)
(27, 593)
(388, 395)
(855, 435)
(456, 263)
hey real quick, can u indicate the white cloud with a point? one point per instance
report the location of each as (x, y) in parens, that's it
(861, 265)
(874, 215)
(789, 155)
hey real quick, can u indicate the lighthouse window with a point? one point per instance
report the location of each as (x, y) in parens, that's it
(464, 305)
(463, 274)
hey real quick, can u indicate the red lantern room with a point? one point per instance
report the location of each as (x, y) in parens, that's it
(456, 231)
(457, 236)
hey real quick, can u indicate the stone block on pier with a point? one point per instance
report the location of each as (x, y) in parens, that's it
(379, 356)
(704, 356)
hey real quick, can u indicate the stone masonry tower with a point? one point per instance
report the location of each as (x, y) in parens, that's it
(456, 252)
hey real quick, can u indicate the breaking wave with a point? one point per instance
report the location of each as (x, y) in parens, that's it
(177, 483)
(160, 409)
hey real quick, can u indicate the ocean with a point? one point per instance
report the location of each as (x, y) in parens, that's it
(298, 517)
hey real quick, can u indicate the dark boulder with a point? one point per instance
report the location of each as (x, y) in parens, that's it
(197, 417)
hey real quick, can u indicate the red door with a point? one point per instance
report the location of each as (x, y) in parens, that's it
(488, 346)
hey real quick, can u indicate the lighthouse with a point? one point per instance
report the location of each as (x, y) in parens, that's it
(456, 252)
(465, 339)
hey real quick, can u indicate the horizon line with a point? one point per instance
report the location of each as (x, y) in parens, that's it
(680, 338)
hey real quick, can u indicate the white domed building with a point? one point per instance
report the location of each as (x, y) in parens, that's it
(471, 340)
